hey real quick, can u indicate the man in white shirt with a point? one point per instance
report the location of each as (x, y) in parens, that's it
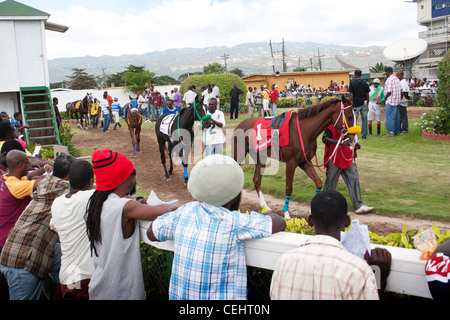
(249, 101)
(322, 268)
(216, 92)
(213, 137)
(189, 96)
(403, 103)
(68, 221)
(106, 112)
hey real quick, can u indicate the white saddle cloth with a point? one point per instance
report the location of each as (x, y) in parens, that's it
(166, 124)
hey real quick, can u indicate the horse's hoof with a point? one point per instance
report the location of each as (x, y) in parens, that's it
(168, 179)
(287, 216)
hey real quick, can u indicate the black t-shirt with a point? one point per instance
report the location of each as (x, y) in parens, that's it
(359, 88)
(235, 93)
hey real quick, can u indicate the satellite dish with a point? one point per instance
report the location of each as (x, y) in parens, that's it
(405, 52)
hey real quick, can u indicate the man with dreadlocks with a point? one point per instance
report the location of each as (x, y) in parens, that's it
(112, 227)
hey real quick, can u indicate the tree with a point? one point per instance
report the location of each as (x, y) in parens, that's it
(214, 67)
(238, 71)
(165, 80)
(80, 80)
(378, 68)
(139, 81)
(115, 79)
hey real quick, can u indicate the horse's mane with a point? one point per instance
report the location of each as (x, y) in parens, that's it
(183, 110)
(315, 109)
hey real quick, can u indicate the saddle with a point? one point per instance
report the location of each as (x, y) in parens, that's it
(78, 104)
(272, 131)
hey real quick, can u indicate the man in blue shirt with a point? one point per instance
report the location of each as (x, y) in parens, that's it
(170, 109)
(116, 109)
(209, 259)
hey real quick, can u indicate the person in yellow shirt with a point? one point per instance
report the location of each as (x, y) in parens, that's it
(95, 106)
(265, 94)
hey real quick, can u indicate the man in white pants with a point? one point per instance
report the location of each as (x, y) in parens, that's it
(376, 96)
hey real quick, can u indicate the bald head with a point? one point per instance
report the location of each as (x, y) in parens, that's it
(18, 163)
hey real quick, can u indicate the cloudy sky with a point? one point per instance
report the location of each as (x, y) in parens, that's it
(116, 27)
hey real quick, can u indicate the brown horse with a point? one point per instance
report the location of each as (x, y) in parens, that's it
(134, 122)
(304, 128)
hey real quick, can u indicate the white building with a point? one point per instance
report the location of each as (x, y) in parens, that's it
(24, 80)
(435, 16)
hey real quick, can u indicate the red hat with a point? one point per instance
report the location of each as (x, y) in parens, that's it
(111, 169)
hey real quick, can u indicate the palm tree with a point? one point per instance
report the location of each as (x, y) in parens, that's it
(378, 68)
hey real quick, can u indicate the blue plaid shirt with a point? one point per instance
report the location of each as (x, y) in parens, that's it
(209, 261)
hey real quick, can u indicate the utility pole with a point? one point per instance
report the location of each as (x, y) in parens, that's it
(284, 57)
(320, 61)
(271, 53)
(225, 57)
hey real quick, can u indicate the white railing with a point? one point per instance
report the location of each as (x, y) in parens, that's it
(407, 274)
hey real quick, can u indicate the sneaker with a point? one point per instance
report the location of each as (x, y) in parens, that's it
(364, 209)
(390, 134)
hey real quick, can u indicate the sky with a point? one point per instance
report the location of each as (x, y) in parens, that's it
(117, 27)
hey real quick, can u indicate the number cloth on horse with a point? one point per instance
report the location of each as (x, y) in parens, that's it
(166, 124)
(262, 136)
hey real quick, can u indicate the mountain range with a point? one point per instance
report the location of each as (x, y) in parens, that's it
(251, 58)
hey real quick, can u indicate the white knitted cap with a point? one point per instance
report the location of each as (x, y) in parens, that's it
(217, 179)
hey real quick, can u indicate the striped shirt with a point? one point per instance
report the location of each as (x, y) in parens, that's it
(209, 261)
(393, 86)
(322, 269)
(31, 243)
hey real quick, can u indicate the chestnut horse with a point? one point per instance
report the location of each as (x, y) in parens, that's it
(180, 132)
(134, 122)
(305, 126)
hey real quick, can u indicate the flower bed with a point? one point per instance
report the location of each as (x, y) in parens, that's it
(435, 136)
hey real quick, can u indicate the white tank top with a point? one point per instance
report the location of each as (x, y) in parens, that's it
(118, 268)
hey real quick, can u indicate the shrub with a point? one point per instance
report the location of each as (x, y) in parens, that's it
(439, 121)
(223, 81)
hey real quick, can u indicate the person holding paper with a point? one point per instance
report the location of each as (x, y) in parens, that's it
(112, 221)
(209, 259)
(321, 268)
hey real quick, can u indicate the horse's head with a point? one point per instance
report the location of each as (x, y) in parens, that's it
(200, 113)
(345, 122)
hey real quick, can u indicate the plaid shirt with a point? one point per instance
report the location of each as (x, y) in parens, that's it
(322, 269)
(393, 86)
(31, 243)
(209, 261)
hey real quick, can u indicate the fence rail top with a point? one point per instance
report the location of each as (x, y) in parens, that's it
(407, 274)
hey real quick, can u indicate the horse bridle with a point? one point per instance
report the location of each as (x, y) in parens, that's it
(346, 129)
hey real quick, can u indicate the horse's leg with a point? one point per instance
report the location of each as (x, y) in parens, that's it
(133, 139)
(311, 172)
(162, 148)
(183, 154)
(138, 138)
(257, 176)
(290, 170)
(170, 148)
